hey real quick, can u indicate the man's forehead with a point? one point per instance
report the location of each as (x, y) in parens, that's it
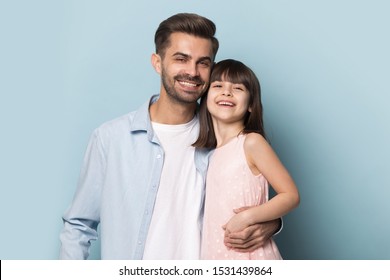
(190, 45)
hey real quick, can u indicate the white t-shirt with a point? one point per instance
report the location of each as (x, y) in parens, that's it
(175, 231)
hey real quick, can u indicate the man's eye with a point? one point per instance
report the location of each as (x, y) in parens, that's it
(180, 59)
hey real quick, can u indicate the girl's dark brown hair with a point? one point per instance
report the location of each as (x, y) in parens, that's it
(235, 72)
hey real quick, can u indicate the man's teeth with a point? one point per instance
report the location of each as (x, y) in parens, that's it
(187, 84)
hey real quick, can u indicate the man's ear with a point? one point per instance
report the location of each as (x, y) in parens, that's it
(156, 62)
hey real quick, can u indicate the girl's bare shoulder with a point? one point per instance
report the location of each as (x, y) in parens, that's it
(254, 141)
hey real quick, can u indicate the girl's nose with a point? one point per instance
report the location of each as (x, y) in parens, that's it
(227, 91)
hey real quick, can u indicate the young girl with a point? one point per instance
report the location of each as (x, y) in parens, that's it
(241, 165)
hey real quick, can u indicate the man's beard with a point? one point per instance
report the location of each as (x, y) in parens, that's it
(182, 98)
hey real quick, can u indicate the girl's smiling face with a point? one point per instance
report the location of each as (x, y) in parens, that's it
(227, 101)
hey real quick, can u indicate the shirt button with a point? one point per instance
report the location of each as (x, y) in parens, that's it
(158, 156)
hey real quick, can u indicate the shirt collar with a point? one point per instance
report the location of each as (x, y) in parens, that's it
(141, 120)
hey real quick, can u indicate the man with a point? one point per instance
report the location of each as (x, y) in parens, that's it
(141, 178)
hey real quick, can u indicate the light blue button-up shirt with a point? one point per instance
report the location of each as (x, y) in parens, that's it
(117, 189)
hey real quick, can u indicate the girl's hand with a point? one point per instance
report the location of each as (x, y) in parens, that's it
(251, 237)
(238, 222)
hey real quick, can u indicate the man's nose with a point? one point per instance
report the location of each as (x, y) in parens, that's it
(192, 69)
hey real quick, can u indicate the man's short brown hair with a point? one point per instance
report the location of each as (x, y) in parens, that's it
(192, 24)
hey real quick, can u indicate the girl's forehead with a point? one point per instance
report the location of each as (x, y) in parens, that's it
(228, 79)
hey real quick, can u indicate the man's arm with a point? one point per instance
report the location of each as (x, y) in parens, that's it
(82, 218)
(253, 237)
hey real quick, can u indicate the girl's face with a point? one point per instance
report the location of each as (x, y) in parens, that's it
(228, 102)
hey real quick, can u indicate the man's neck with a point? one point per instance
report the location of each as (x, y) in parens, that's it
(165, 112)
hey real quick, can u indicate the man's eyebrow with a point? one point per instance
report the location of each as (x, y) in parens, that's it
(203, 58)
(181, 54)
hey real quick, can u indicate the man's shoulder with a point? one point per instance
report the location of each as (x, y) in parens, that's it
(129, 121)
(120, 122)
(118, 127)
(114, 131)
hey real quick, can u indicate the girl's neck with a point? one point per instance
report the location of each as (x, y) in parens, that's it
(225, 132)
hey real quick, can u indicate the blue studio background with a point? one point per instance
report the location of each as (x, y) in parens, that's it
(68, 66)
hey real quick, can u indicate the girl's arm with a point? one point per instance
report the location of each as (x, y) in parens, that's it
(263, 160)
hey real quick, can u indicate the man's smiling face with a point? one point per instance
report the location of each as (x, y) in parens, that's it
(185, 67)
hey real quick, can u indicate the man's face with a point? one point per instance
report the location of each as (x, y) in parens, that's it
(185, 67)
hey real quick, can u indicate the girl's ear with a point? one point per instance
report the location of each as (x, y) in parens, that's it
(250, 109)
(156, 62)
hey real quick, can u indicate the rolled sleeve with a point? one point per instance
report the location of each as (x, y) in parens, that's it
(82, 218)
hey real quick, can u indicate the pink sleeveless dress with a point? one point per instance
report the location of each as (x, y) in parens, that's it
(230, 184)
